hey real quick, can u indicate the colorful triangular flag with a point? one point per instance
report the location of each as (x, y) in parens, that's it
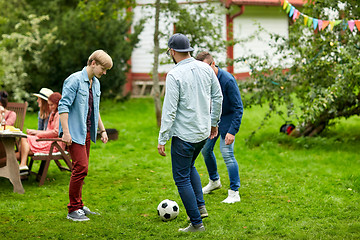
(292, 9)
(310, 21)
(337, 22)
(306, 18)
(320, 22)
(357, 23)
(288, 8)
(295, 14)
(325, 24)
(351, 24)
(332, 24)
(315, 23)
(285, 5)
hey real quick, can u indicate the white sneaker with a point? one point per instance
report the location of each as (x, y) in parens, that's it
(212, 185)
(192, 228)
(233, 197)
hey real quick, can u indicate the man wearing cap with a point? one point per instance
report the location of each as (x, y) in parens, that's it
(190, 115)
(44, 112)
(79, 121)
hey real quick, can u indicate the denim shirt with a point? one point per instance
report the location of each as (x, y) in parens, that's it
(192, 102)
(74, 101)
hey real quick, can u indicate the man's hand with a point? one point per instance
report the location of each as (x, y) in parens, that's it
(161, 150)
(229, 139)
(104, 137)
(214, 132)
(66, 138)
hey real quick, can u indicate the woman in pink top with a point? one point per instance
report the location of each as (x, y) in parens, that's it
(29, 145)
(10, 116)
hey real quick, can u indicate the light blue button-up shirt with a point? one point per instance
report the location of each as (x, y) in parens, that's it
(191, 88)
(75, 101)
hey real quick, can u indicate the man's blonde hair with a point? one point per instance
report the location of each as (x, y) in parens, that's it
(102, 58)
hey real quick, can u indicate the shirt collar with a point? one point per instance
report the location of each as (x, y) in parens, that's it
(185, 61)
(220, 71)
(86, 77)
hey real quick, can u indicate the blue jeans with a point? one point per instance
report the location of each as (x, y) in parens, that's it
(227, 151)
(186, 177)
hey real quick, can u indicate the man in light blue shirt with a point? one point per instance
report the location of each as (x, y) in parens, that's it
(79, 121)
(190, 115)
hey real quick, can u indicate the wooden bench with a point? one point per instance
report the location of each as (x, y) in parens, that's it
(146, 88)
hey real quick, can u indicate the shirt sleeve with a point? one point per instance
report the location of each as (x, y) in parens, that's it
(69, 92)
(169, 108)
(216, 100)
(233, 93)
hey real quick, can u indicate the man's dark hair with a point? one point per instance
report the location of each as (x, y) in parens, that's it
(204, 55)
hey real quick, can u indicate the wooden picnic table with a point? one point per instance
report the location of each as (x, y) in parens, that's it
(11, 170)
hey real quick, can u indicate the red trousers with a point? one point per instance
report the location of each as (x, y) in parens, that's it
(80, 160)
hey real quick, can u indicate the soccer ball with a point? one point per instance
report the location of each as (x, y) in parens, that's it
(168, 210)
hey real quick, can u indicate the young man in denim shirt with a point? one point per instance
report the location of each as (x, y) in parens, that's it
(191, 112)
(232, 111)
(79, 121)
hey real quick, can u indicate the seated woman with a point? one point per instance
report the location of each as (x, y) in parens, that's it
(10, 116)
(30, 146)
(44, 113)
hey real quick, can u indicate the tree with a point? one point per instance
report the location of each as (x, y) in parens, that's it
(156, 86)
(96, 24)
(322, 83)
(21, 51)
(72, 30)
(194, 21)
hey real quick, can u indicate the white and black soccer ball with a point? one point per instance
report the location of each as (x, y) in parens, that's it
(168, 210)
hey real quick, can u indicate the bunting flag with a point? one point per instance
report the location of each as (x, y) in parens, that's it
(310, 21)
(325, 24)
(292, 9)
(315, 23)
(285, 4)
(319, 24)
(306, 18)
(288, 8)
(357, 23)
(295, 14)
(351, 24)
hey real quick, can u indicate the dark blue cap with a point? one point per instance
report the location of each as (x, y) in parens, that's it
(180, 43)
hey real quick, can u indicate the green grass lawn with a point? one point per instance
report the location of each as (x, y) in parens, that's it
(306, 188)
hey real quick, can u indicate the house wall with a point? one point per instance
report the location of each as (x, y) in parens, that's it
(271, 18)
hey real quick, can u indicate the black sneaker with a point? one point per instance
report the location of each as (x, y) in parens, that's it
(88, 211)
(78, 215)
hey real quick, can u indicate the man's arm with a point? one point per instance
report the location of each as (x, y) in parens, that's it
(169, 109)
(168, 112)
(233, 93)
(216, 100)
(104, 136)
(68, 95)
(66, 137)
